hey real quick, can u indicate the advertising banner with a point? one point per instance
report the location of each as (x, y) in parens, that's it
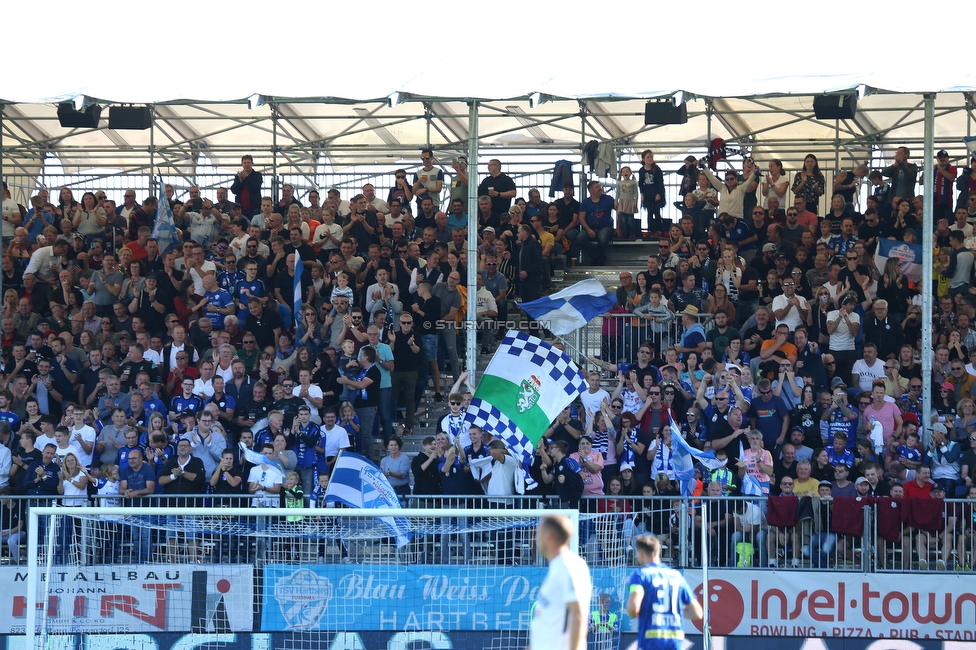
(135, 598)
(389, 597)
(826, 604)
(372, 640)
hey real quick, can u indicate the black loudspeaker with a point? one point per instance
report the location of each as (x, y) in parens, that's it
(834, 107)
(72, 119)
(665, 112)
(133, 118)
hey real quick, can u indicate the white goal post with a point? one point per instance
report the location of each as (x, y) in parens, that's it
(295, 567)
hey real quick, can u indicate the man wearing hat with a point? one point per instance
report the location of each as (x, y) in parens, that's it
(945, 182)
(943, 457)
(693, 337)
(766, 262)
(689, 179)
(842, 487)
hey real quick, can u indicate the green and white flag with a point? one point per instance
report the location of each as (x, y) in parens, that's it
(527, 383)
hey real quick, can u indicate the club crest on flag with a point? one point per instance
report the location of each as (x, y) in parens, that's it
(377, 491)
(529, 394)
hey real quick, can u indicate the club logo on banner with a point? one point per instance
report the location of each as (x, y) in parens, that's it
(909, 256)
(528, 394)
(303, 597)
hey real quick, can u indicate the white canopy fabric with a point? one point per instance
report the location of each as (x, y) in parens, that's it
(329, 69)
(221, 51)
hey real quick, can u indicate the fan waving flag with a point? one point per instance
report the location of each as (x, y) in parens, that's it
(684, 456)
(164, 230)
(525, 386)
(570, 309)
(358, 483)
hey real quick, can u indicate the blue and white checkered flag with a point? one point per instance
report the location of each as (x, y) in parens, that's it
(525, 386)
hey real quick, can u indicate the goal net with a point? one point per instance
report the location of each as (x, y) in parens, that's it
(300, 578)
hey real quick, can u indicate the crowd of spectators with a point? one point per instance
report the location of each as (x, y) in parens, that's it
(753, 327)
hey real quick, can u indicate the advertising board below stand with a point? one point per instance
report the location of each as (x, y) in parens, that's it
(373, 640)
(135, 598)
(757, 603)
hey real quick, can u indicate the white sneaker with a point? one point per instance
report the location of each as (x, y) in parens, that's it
(940, 565)
(772, 564)
(795, 563)
(923, 565)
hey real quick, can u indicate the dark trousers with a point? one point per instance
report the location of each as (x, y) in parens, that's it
(404, 383)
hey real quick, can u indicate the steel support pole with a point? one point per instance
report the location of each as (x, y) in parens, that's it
(1, 175)
(152, 146)
(470, 331)
(274, 153)
(928, 261)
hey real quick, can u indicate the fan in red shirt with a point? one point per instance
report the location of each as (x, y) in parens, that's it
(921, 487)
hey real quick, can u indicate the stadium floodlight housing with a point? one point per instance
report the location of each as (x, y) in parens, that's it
(81, 102)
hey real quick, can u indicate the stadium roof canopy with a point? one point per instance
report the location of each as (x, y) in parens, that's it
(366, 82)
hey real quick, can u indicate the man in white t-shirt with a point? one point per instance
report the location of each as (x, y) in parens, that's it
(197, 267)
(12, 216)
(593, 397)
(501, 481)
(790, 308)
(264, 481)
(82, 436)
(868, 368)
(332, 439)
(309, 392)
(559, 619)
(842, 326)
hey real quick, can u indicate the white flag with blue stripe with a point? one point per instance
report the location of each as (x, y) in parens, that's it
(570, 309)
(683, 456)
(164, 230)
(297, 297)
(358, 483)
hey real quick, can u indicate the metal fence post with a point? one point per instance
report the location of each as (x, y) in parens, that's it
(867, 543)
(683, 532)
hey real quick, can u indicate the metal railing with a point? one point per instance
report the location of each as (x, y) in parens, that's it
(743, 532)
(615, 338)
(527, 174)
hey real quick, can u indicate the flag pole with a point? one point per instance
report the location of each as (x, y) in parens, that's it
(706, 634)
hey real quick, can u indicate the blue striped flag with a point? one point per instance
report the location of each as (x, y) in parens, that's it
(570, 309)
(164, 230)
(684, 456)
(297, 299)
(358, 483)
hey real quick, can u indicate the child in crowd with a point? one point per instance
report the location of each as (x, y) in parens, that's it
(348, 366)
(342, 289)
(316, 498)
(626, 205)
